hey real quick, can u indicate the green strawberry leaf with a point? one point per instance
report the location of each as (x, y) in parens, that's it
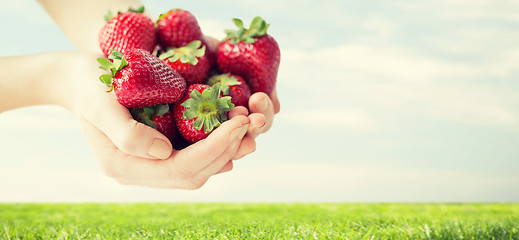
(161, 109)
(167, 54)
(198, 123)
(190, 113)
(192, 60)
(211, 122)
(109, 15)
(136, 10)
(215, 92)
(258, 27)
(140, 115)
(119, 60)
(194, 44)
(114, 54)
(106, 79)
(186, 54)
(118, 63)
(238, 22)
(149, 111)
(184, 58)
(199, 52)
(196, 95)
(105, 63)
(225, 80)
(208, 108)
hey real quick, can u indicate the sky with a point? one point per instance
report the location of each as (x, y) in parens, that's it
(382, 101)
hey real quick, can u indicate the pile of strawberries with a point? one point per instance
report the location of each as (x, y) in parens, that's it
(171, 79)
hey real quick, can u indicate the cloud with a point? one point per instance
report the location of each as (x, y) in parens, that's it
(399, 80)
(464, 9)
(338, 119)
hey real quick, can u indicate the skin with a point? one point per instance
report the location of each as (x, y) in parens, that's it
(128, 151)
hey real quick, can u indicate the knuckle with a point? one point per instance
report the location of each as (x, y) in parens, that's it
(127, 137)
(182, 173)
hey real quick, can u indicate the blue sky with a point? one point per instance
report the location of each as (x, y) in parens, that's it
(381, 101)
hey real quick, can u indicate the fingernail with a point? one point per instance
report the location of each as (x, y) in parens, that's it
(263, 125)
(160, 149)
(262, 105)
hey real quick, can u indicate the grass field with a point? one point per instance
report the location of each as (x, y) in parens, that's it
(259, 221)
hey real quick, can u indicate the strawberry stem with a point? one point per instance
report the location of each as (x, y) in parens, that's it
(225, 80)
(119, 62)
(208, 108)
(137, 10)
(257, 28)
(146, 114)
(187, 54)
(109, 15)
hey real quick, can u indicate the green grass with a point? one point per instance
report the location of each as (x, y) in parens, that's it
(259, 221)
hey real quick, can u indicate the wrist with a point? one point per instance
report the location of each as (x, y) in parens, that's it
(78, 80)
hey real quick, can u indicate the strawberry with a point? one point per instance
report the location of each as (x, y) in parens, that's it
(189, 61)
(159, 117)
(140, 79)
(233, 86)
(177, 28)
(201, 108)
(127, 31)
(252, 54)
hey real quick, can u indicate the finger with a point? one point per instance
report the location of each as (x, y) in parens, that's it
(99, 142)
(261, 103)
(275, 101)
(247, 146)
(124, 168)
(223, 159)
(227, 168)
(258, 124)
(238, 110)
(128, 135)
(197, 156)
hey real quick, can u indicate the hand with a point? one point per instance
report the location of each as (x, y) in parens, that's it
(133, 153)
(189, 168)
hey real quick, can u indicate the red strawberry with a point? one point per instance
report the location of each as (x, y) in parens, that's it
(233, 86)
(179, 27)
(200, 111)
(127, 31)
(189, 61)
(140, 79)
(159, 117)
(252, 54)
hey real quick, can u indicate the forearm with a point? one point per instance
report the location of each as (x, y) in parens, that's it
(81, 20)
(47, 78)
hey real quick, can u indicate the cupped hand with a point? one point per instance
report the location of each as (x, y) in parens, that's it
(189, 168)
(133, 153)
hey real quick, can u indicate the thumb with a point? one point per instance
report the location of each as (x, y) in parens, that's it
(128, 135)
